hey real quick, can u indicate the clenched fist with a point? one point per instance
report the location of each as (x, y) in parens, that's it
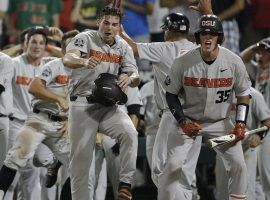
(190, 128)
(239, 131)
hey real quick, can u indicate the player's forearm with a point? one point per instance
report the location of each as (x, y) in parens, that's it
(135, 80)
(247, 54)
(131, 42)
(38, 89)
(134, 119)
(13, 51)
(243, 100)
(233, 10)
(73, 61)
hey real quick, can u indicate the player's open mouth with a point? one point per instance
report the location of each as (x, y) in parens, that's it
(208, 44)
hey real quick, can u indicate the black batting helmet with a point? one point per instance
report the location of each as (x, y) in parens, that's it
(176, 22)
(107, 92)
(210, 24)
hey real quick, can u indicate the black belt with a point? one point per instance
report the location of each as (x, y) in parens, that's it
(2, 115)
(90, 99)
(51, 116)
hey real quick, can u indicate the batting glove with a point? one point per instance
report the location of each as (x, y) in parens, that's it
(239, 131)
(190, 128)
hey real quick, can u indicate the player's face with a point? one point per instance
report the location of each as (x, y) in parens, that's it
(263, 58)
(36, 46)
(108, 28)
(208, 42)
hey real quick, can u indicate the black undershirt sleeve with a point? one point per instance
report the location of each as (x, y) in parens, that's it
(175, 107)
(134, 109)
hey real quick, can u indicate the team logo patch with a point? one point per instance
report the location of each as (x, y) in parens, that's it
(79, 42)
(167, 80)
(47, 72)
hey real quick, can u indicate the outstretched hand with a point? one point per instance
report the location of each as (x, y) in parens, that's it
(203, 6)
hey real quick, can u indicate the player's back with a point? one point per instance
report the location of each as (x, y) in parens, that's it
(162, 55)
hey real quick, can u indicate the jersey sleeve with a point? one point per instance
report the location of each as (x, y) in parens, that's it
(128, 63)
(134, 96)
(259, 106)
(80, 43)
(150, 51)
(173, 82)
(242, 82)
(49, 72)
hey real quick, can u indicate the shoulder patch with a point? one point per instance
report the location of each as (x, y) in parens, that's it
(167, 80)
(47, 72)
(79, 42)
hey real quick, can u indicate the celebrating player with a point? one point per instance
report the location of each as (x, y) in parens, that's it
(204, 78)
(98, 56)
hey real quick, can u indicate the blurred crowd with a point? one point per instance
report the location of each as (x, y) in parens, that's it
(245, 21)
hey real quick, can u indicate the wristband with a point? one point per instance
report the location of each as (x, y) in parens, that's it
(241, 112)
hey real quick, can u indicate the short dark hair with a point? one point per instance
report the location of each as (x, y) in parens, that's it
(110, 11)
(68, 34)
(38, 30)
(22, 35)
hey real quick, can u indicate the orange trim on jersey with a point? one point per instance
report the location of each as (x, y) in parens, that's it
(23, 80)
(106, 57)
(62, 79)
(210, 83)
(263, 78)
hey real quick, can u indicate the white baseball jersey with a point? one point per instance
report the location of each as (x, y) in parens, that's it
(56, 76)
(206, 90)
(6, 74)
(113, 58)
(149, 108)
(162, 54)
(258, 110)
(23, 75)
(263, 83)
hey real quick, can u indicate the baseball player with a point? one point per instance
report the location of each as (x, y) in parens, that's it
(258, 114)
(151, 117)
(47, 123)
(96, 56)
(162, 54)
(260, 68)
(205, 78)
(6, 74)
(25, 67)
(110, 148)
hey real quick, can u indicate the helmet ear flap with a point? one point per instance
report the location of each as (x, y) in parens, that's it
(197, 37)
(220, 38)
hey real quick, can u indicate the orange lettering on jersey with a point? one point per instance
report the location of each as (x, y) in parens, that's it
(210, 83)
(106, 57)
(202, 82)
(23, 80)
(62, 79)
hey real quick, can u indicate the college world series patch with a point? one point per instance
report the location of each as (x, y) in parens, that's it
(79, 42)
(167, 80)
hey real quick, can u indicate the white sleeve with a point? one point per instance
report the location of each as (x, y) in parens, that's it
(134, 96)
(150, 51)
